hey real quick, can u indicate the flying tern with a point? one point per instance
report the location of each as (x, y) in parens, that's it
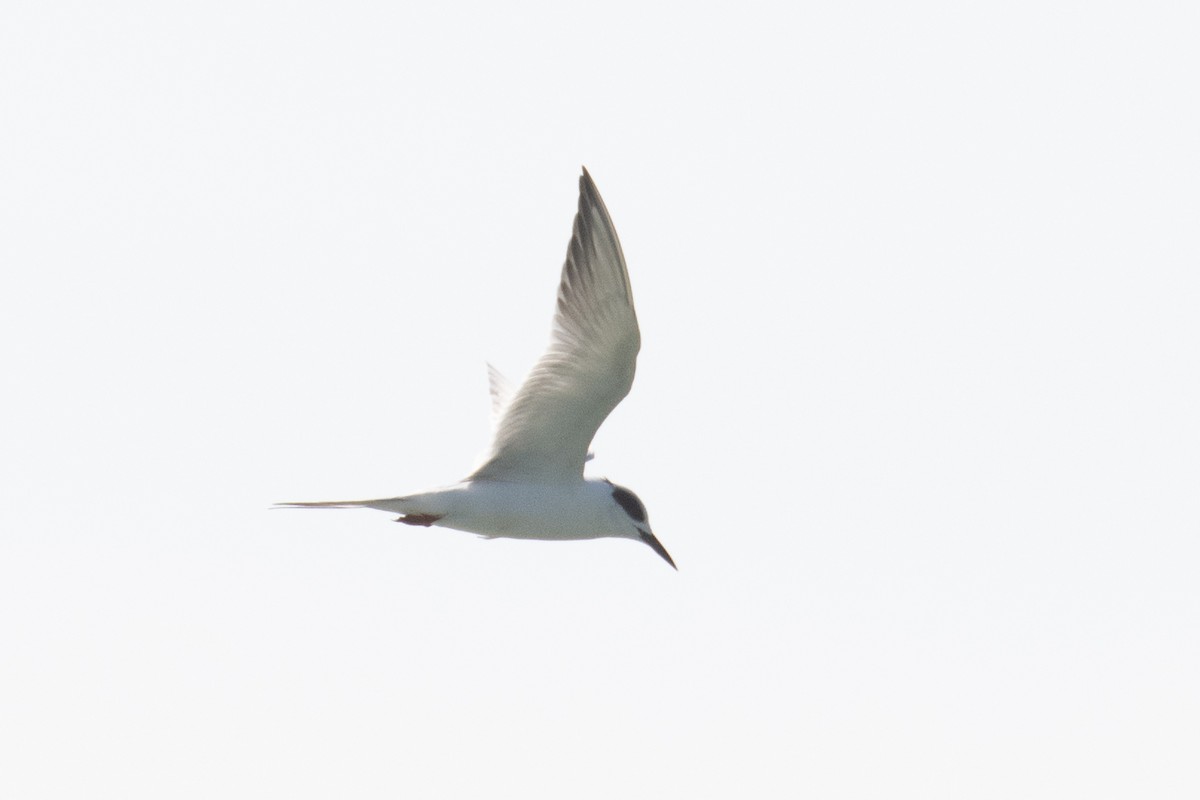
(531, 483)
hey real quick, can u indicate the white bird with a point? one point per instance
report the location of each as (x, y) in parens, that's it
(531, 484)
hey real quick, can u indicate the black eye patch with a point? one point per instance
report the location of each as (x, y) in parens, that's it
(628, 501)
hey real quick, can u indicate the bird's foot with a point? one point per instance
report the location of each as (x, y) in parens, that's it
(420, 519)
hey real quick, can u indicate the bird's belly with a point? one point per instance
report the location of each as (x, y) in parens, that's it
(519, 526)
(520, 512)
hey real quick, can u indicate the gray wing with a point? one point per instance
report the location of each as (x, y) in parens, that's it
(546, 429)
(501, 390)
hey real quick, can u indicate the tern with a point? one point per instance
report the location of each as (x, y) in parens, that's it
(531, 484)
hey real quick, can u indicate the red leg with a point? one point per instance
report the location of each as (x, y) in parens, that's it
(420, 519)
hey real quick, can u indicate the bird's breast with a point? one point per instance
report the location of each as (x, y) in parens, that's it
(523, 511)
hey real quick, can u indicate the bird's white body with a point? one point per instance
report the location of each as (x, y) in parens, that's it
(531, 483)
(572, 510)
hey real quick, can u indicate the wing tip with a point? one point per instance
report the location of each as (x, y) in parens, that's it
(594, 224)
(587, 186)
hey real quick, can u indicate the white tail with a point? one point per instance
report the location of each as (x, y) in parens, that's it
(395, 504)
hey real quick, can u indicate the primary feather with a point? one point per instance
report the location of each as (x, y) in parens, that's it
(546, 429)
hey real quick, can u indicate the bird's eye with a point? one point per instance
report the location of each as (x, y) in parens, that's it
(629, 501)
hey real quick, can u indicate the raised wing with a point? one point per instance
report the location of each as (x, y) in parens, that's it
(501, 390)
(588, 368)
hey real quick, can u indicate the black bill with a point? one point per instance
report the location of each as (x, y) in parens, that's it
(650, 539)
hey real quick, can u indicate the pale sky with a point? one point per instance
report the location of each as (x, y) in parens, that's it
(915, 413)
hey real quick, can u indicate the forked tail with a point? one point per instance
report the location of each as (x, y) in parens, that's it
(396, 504)
(330, 504)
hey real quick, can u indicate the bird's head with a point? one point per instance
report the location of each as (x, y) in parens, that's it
(629, 514)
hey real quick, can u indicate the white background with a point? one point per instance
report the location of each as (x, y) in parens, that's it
(916, 411)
